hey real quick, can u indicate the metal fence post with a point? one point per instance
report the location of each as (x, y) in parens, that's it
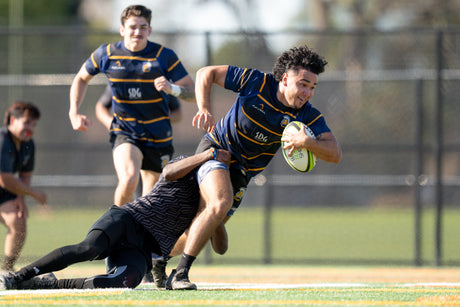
(439, 145)
(268, 205)
(418, 170)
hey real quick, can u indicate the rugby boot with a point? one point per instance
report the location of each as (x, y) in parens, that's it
(148, 278)
(159, 272)
(178, 280)
(45, 281)
(9, 281)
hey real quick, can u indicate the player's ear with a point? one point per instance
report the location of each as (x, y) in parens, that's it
(284, 79)
(122, 30)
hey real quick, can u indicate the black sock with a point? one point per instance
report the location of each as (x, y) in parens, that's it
(70, 283)
(185, 262)
(48, 263)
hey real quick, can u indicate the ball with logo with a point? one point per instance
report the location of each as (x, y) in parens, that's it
(301, 160)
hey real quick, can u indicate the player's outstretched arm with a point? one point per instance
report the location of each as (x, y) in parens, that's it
(176, 170)
(205, 78)
(19, 187)
(77, 93)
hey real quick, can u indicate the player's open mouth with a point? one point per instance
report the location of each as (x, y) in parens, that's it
(302, 100)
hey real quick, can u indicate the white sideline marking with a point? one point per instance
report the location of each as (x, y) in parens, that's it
(239, 286)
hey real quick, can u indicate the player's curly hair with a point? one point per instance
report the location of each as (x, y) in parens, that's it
(137, 11)
(19, 109)
(298, 58)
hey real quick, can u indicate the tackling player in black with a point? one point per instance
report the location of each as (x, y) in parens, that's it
(128, 235)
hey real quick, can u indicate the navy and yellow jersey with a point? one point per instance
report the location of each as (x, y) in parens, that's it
(106, 100)
(14, 161)
(140, 111)
(253, 127)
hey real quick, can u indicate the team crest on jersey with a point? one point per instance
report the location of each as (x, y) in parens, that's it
(164, 159)
(239, 195)
(147, 67)
(286, 120)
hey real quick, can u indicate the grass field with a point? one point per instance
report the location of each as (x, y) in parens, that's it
(269, 286)
(299, 235)
(329, 234)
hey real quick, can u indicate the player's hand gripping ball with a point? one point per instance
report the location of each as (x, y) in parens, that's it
(301, 160)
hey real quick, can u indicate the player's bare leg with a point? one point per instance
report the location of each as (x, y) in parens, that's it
(217, 195)
(15, 236)
(216, 199)
(149, 178)
(127, 160)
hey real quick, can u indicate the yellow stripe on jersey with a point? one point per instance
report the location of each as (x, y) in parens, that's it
(255, 157)
(254, 141)
(137, 101)
(319, 116)
(214, 139)
(94, 61)
(263, 83)
(156, 141)
(145, 122)
(126, 57)
(242, 77)
(174, 65)
(148, 139)
(159, 51)
(132, 80)
(279, 134)
(266, 101)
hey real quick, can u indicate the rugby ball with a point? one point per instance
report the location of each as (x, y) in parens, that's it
(301, 160)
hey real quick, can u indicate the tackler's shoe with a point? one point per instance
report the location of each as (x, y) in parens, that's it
(148, 278)
(8, 281)
(178, 280)
(159, 273)
(45, 281)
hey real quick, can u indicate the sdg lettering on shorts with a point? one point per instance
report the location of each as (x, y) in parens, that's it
(134, 93)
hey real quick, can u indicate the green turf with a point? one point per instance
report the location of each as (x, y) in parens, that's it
(331, 235)
(360, 295)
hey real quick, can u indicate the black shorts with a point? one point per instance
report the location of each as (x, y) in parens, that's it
(6, 196)
(239, 180)
(154, 159)
(125, 235)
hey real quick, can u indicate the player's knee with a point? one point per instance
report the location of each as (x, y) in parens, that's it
(128, 183)
(88, 251)
(220, 207)
(16, 228)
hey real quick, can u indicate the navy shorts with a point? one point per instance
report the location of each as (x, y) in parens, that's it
(154, 159)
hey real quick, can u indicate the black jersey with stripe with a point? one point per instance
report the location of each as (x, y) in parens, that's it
(168, 209)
